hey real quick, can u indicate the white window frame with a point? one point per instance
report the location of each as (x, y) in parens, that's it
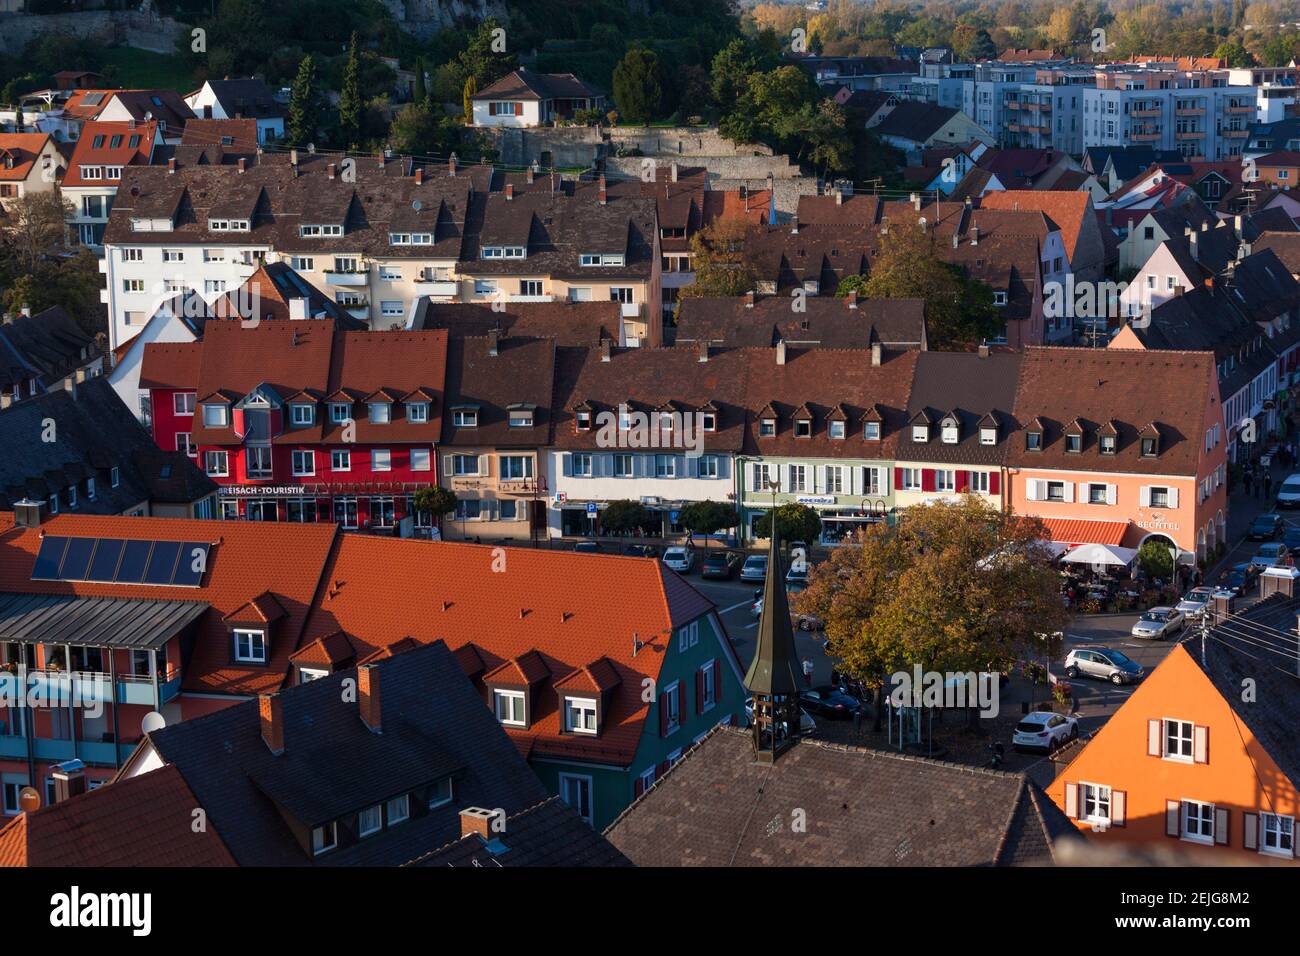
(253, 637)
(417, 413)
(498, 696)
(1101, 797)
(1172, 723)
(183, 403)
(582, 706)
(302, 413)
(319, 846)
(340, 454)
(397, 809)
(296, 458)
(1185, 817)
(582, 780)
(435, 800)
(383, 455)
(220, 415)
(375, 814)
(421, 459)
(1276, 834)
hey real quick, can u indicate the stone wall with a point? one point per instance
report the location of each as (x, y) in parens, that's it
(144, 31)
(423, 18)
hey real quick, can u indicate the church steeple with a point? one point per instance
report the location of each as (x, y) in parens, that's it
(773, 678)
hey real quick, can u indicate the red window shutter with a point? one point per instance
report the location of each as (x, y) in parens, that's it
(898, 479)
(995, 482)
(663, 715)
(1072, 801)
(519, 109)
(717, 680)
(492, 109)
(927, 479)
(1173, 810)
(663, 769)
(1118, 807)
(638, 787)
(1154, 742)
(699, 691)
(1201, 744)
(961, 480)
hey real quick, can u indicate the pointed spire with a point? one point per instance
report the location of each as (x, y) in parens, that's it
(775, 667)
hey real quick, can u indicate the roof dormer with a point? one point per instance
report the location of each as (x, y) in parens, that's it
(513, 687)
(767, 421)
(803, 422)
(921, 424)
(708, 416)
(1149, 439)
(1034, 434)
(1108, 438)
(583, 697)
(252, 628)
(837, 423)
(583, 414)
(989, 429)
(873, 423)
(1074, 437)
(950, 428)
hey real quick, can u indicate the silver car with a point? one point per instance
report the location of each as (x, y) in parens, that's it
(1195, 602)
(1103, 664)
(1159, 623)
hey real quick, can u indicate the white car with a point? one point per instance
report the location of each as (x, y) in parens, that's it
(1044, 730)
(1159, 623)
(1195, 602)
(1288, 496)
(680, 560)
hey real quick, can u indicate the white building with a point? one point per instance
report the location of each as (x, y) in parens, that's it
(524, 98)
(240, 99)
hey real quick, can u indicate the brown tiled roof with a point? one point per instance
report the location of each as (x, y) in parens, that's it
(165, 106)
(270, 288)
(333, 649)
(821, 253)
(1285, 245)
(171, 365)
(87, 153)
(862, 808)
(524, 84)
(146, 820)
(569, 323)
(972, 386)
(827, 321)
(235, 136)
(522, 372)
(1133, 387)
(826, 380)
(402, 362)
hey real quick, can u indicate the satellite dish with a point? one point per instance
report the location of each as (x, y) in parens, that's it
(311, 148)
(152, 721)
(417, 205)
(29, 800)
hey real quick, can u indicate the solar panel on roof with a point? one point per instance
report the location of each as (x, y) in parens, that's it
(93, 99)
(193, 562)
(49, 558)
(134, 559)
(103, 566)
(162, 563)
(77, 559)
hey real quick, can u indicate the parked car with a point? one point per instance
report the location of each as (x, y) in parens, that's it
(1103, 664)
(1159, 623)
(1239, 579)
(1265, 528)
(829, 702)
(804, 622)
(1291, 538)
(1288, 496)
(719, 564)
(641, 551)
(1194, 602)
(1044, 730)
(797, 576)
(680, 560)
(754, 568)
(806, 724)
(587, 547)
(1268, 555)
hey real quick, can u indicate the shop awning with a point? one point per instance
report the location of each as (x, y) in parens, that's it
(1101, 555)
(1085, 531)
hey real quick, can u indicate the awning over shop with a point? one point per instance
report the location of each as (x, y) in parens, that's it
(1101, 555)
(1085, 531)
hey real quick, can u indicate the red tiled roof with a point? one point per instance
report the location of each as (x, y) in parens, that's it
(170, 365)
(87, 153)
(331, 649)
(1066, 209)
(1085, 531)
(263, 609)
(137, 821)
(395, 589)
(24, 148)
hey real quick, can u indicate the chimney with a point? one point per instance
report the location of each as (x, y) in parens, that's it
(749, 299)
(853, 299)
(5, 400)
(298, 308)
(419, 176)
(839, 197)
(604, 350)
(242, 164)
(704, 350)
(331, 169)
(877, 354)
(1194, 243)
(28, 513)
(780, 351)
(673, 172)
(368, 697)
(916, 201)
(452, 162)
(529, 174)
(603, 194)
(494, 341)
(974, 235)
(1237, 221)
(794, 225)
(984, 350)
(510, 192)
(171, 165)
(271, 709)
(70, 386)
(476, 820)
(69, 780)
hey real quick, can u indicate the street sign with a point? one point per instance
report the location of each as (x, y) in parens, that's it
(591, 507)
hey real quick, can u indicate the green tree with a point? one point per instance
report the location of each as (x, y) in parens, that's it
(638, 88)
(34, 229)
(418, 130)
(623, 517)
(721, 266)
(1234, 53)
(708, 517)
(485, 59)
(467, 98)
(1154, 559)
(849, 284)
(983, 47)
(420, 95)
(730, 73)
(796, 522)
(304, 106)
(435, 500)
(350, 97)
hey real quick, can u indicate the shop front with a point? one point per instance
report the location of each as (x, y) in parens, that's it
(377, 507)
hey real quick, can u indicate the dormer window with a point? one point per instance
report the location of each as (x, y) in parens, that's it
(988, 435)
(504, 252)
(250, 646)
(521, 418)
(591, 259)
(509, 707)
(380, 413)
(216, 416)
(1074, 443)
(465, 417)
(228, 225)
(315, 231)
(709, 421)
(1033, 441)
(666, 422)
(582, 421)
(803, 428)
(999, 298)
(949, 431)
(579, 715)
(340, 412)
(302, 413)
(767, 427)
(1150, 447)
(921, 433)
(324, 838)
(1106, 444)
(417, 412)
(871, 431)
(836, 430)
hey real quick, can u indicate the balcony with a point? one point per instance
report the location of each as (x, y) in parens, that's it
(1239, 109)
(438, 288)
(1190, 111)
(347, 278)
(1146, 112)
(1234, 133)
(1190, 134)
(631, 310)
(76, 688)
(519, 486)
(1145, 137)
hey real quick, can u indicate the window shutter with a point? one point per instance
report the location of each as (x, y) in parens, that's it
(898, 478)
(484, 465)
(884, 481)
(717, 681)
(1031, 490)
(1173, 497)
(638, 787)
(1173, 809)
(446, 465)
(661, 770)
(1144, 496)
(1112, 494)
(995, 482)
(724, 466)
(1221, 825)
(1118, 807)
(663, 714)
(519, 109)
(1201, 744)
(1072, 801)
(961, 481)
(568, 464)
(1250, 831)
(818, 478)
(1067, 492)
(927, 479)
(699, 691)
(492, 109)
(1154, 748)
(1083, 496)
(680, 466)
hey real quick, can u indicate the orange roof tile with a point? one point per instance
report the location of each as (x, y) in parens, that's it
(22, 148)
(1067, 209)
(331, 649)
(110, 144)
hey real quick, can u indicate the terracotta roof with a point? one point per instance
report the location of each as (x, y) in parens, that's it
(171, 365)
(400, 361)
(145, 820)
(1129, 386)
(87, 104)
(598, 677)
(96, 147)
(524, 84)
(333, 649)
(238, 136)
(22, 149)
(1084, 531)
(263, 609)
(392, 589)
(268, 291)
(864, 808)
(1069, 210)
(748, 205)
